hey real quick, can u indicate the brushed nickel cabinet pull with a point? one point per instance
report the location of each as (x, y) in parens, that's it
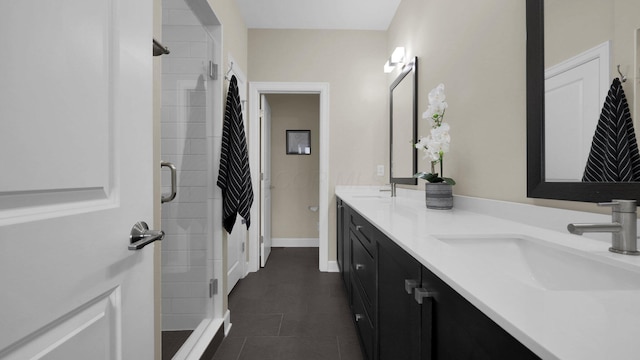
(421, 294)
(409, 285)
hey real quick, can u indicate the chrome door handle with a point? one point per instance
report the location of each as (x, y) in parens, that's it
(141, 236)
(174, 185)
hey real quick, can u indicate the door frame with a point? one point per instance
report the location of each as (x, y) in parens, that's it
(264, 88)
(265, 181)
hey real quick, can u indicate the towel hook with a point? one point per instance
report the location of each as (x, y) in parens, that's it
(159, 49)
(622, 77)
(226, 76)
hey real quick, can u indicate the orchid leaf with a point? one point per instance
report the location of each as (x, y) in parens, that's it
(449, 181)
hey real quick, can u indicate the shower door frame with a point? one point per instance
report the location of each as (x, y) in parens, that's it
(203, 335)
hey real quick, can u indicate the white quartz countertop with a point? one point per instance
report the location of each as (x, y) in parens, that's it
(555, 324)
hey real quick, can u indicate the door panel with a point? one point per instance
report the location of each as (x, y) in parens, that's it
(76, 151)
(235, 258)
(265, 165)
(41, 106)
(37, 43)
(87, 333)
(574, 92)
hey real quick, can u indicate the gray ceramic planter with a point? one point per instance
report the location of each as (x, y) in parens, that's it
(439, 196)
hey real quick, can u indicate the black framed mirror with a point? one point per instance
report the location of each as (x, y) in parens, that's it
(537, 185)
(403, 121)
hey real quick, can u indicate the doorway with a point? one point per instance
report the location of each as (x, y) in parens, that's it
(294, 169)
(256, 90)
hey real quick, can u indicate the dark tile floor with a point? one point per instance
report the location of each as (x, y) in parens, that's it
(172, 341)
(289, 310)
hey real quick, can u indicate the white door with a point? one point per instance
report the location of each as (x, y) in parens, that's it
(76, 158)
(265, 183)
(235, 253)
(236, 258)
(572, 106)
(575, 90)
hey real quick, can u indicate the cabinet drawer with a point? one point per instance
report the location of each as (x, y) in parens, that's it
(363, 324)
(363, 268)
(363, 229)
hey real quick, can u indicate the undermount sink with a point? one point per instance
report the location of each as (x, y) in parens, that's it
(546, 266)
(373, 196)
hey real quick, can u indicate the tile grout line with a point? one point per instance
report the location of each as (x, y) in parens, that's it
(241, 348)
(280, 295)
(281, 321)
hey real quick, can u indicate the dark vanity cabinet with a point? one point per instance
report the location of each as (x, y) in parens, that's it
(343, 250)
(399, 315)
(363, 280)
(402, 310)
(461, 331)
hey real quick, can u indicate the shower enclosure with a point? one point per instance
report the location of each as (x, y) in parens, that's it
(191, 114)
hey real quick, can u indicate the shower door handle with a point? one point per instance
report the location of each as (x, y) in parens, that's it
(141, 236)
(174, 185)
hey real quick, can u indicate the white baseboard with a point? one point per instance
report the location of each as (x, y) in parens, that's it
(197, 343)
(295, 242)
(227, 322)
(332, 266)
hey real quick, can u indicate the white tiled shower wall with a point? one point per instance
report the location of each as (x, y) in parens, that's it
(187, 264)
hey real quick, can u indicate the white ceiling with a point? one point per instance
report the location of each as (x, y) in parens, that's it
(318, 14)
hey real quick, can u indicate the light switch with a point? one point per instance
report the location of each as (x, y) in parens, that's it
(380, 170)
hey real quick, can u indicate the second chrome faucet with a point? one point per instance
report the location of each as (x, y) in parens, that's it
(623, 228)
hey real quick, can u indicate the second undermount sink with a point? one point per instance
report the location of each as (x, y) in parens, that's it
(542, 265)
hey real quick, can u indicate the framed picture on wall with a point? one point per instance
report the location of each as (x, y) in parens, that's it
(298, 142)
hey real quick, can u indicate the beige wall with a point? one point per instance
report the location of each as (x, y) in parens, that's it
(295, 178)
(479, 53)
(234, 32)
(568, 33)
(351, 62)
(480, 56)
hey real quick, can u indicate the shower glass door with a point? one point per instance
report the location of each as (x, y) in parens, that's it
(187, 250)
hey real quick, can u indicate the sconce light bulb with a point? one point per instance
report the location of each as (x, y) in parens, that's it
(398, 55)
(388, 68)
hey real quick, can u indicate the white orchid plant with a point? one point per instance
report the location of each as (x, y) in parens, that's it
(436, 144)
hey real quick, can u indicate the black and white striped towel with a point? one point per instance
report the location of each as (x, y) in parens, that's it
(614, 152)
(234, 177)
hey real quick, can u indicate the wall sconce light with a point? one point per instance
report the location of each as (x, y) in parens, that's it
(396, 59)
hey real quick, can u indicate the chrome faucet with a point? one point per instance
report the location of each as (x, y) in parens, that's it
(392, 188)
(623, 228)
